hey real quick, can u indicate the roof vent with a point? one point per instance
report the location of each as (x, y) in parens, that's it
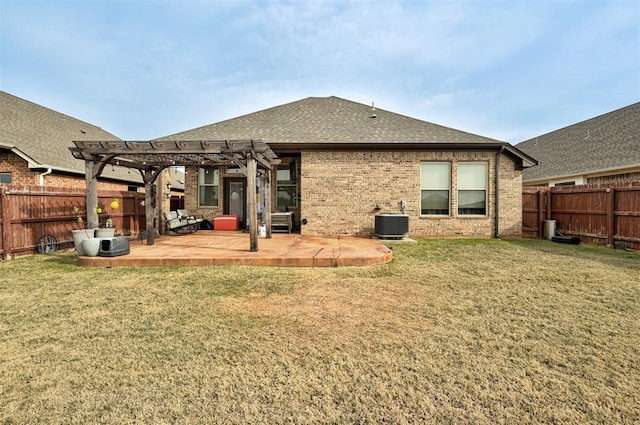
(373, 111)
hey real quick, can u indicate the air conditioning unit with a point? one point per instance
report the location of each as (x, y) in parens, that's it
(392, 226)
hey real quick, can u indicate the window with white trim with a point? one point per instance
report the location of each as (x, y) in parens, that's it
(571, 183)
(435, 184)
(208, 186)
(472, 188)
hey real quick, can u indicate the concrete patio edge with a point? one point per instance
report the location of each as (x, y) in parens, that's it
(209, 248)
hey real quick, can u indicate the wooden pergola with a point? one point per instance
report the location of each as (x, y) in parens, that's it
(150, 158)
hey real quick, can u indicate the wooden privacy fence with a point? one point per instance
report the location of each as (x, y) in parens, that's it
(27, 213)
(607, 214)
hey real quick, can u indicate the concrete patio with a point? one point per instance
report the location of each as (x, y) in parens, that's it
(214, 248)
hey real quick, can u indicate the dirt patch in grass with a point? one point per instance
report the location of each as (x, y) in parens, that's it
(451, 331)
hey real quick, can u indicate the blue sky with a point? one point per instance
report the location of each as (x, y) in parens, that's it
(142, 69)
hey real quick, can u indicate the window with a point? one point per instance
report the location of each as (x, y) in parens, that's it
(472, 188)
(435, 182)
(208, 184)
(234, 170)
(286, 183)
(5, 177)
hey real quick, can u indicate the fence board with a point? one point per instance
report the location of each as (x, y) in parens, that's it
(598, 213)
(29, 212)
(531, 202)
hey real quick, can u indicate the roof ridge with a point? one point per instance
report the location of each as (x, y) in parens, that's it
(332, 120)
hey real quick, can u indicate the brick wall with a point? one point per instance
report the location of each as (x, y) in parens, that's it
(510, 198)
(340, 191)
(191, 194)
(615, 178)
(191, 191)
(21, 174)
(18, 167)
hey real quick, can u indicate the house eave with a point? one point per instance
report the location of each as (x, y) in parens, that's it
(586, 174)
(31, 163)
(69, 171)
(527, 160)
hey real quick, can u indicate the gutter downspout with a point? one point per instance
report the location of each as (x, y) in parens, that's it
(46, 173)
(496, 230)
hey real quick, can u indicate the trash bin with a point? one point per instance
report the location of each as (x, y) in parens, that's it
(548, 229)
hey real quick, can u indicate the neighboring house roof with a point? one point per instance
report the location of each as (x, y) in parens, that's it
(42, 137)
(605, 143)
(176, 179)
(332, 121)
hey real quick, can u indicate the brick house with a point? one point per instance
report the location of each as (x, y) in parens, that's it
(34, 148)
(344, 162)
(602, 149)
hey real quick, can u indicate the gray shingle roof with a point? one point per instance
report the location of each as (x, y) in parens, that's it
(606, 142)
(44, 136)
(328, 120)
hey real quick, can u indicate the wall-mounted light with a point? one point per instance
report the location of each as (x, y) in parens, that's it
(169, 190)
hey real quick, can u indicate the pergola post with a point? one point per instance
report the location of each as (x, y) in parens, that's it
(253, 215)
(149, 188)
(148, 214)
(267, 201)
(90, 168)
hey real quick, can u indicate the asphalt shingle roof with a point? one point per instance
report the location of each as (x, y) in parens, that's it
(606, 142)
(44, 136)
(328, 120)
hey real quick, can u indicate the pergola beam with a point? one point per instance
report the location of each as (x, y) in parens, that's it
(174, 147)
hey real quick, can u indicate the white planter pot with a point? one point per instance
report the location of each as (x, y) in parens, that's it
(91, 246)
(108, 232)
(79, 236)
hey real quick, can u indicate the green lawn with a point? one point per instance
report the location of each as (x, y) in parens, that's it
(451, 331)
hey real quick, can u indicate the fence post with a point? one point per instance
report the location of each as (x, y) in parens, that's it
(549, 204)
(135, 219)
(540, 211)
(7, 243)
(611, 194)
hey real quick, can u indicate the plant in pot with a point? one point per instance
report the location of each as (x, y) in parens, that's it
(108, 231)
(80, 235)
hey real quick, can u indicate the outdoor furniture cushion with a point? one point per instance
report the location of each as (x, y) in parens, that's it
(184, 214)
(180, 224)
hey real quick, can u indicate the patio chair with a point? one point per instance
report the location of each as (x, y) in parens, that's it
(184, 214)
(180, 225)
(280, 220)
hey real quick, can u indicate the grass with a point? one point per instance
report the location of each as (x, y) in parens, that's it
(451, 331)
